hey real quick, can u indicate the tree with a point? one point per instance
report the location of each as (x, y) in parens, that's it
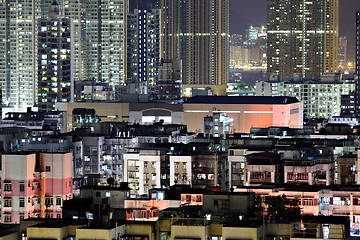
(244, 86)
(277, 208)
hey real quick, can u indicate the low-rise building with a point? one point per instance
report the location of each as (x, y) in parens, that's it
(34, 185)
(216, 215)
(114, 197)
(97, 92)
(317, 200)
(131, 172)
(346, 169)
(93, 146)
(192, 228)
(263, 168)
(86, 114)
(113, 156)
(320, 227)
(148, 209)
(237, 165)
(209, 169)
(53, 121)
(312, 172)
(181, 170)
(153, 169)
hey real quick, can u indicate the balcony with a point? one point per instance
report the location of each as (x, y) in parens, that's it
(309, 210)
(203, 170)
(133, 168)
(259, 181)
(297, 181)
(7, 209)
(316, 231)
(356, 209)
(7, 193)
(307, 162)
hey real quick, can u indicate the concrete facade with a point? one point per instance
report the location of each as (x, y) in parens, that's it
(35, 186)
(246, 115)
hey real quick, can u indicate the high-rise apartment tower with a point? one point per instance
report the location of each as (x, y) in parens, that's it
(302, 37)
(55, 59)
(143, 48)
(197, 32)
(99, 45)
(357, 64)
(18, 52)
(105, 39)
(18, 34)
(357, 72)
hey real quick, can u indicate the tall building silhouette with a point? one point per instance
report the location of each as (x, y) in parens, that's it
(143, 47)
(55, 59)
(76, 11)
(99, 39)
(18, 53)
(106, 38)
(357, 64)
(197, 32)
(98, 45)
(302, 37)
(19, 32)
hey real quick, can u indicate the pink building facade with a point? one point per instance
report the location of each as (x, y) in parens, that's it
(147, 210)
(245, 112)
(34, 185)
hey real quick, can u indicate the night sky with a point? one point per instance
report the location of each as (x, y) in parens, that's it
(244, 13)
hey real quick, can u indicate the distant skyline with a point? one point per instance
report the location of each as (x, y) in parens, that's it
(245, 13)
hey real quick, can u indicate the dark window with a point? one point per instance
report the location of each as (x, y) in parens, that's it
(48, 201)
(22, 187)
(7, 218)
(7, 187)
(7, 202)
(22, 202)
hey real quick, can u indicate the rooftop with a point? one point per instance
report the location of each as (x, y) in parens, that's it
(50, 224)
(6, 229)
(303, 187)
(325, 219)
(122, 187)
(241, 100)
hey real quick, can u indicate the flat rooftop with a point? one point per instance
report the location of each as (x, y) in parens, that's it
(241, 100)
(302, 187)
